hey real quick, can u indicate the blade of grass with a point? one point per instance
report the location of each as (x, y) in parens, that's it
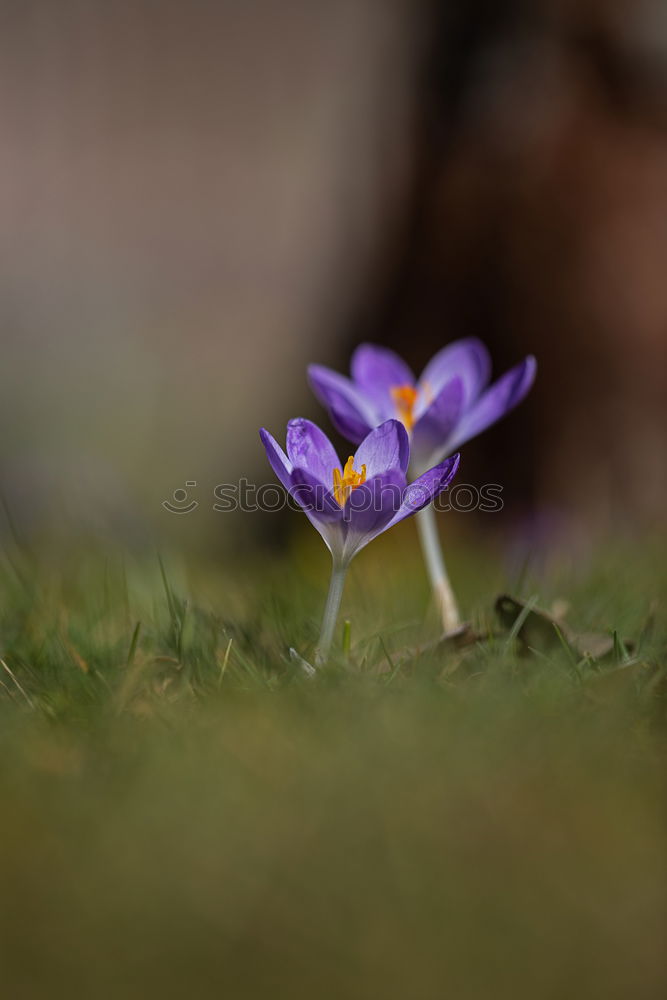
(225, 661)
(520, 621)
(394, 668)
(621, 654)
(167, 589)
(133, 644)
(568, 651)
(347, 638)
(18, 685)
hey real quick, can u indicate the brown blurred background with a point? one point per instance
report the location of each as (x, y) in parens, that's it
(200, 198)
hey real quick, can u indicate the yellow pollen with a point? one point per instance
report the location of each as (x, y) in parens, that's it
(343, 485)
(405, 397)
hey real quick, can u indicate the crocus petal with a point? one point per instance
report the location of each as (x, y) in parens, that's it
(371, 365)
(468, 359)
(321, 510)
(427, 487)
(498, 400)
(277, 458)
(436, 425)
(313, 496)
(376, 371)
(370, 508)
(385, 448)
(350, 413)
(309, 448)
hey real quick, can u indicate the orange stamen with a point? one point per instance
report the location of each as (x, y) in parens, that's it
(348, 481)
(405, 397)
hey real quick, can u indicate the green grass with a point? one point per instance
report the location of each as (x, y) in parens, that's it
(186, 813)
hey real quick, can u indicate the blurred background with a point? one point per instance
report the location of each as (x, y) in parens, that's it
(199, 199)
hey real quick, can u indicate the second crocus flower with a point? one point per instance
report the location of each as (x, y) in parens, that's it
(450, 403)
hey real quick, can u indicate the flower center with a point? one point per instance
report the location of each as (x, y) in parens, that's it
(350, 479)
(404, 397)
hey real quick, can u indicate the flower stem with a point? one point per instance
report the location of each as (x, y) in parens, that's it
(331, 609)
(437, 571)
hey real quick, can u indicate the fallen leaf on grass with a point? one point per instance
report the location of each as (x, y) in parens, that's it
(538, 630)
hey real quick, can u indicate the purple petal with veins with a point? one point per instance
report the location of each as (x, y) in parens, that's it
(351, 413)
(386, 447)
(371, 507)
(313, 496)
(277, 458)
(498, 400)
(427, 487)
(309, 448)
(438, 421)
(376, 371)
(468, 359)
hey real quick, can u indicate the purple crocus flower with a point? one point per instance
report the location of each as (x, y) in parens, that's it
(448, 405)
(352, 504)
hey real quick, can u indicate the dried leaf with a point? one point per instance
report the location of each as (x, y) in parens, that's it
(541, 631)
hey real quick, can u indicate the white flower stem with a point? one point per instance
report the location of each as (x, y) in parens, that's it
(437, 571)
(331, 609)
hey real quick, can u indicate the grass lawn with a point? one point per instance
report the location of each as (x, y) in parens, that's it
(186, 813)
